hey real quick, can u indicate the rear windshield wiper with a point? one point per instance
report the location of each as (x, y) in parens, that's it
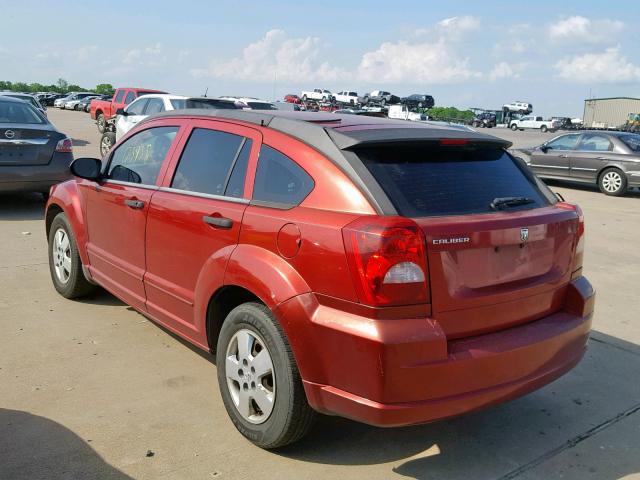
(504, 202)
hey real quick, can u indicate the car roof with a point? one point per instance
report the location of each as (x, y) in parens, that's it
(7, 98)
(16, 94)
(168, 96)
(336, 135)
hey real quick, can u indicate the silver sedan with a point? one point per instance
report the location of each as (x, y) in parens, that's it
(610, 160)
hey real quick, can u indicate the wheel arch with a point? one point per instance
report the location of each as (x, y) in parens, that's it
(66, 199)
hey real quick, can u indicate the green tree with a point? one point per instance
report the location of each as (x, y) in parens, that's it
(104, 89)
(63, 85)
(74, 88)
(20, 87)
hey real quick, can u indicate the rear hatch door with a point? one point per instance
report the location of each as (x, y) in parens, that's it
(490, 267)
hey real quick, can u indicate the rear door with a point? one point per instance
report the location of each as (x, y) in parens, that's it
(195, 219)
(489, 268)
(591, 154)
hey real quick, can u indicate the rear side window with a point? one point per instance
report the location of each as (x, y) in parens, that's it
(131, 96)
(279, 180)
(208, 161)
(119, 96)
(631, 141)
(422, 181)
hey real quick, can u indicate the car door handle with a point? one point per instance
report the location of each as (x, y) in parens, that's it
(220, 222)
(601, 158)
(563, 156)
(136, 204)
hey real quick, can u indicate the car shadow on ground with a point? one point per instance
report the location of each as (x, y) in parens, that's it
(34, 447)
(510, 440)
(21, 206)
(632, 192)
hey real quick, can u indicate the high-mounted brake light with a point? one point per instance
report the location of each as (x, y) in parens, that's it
(578, 252)
(64, 146)
(454, 141)
(387, 260)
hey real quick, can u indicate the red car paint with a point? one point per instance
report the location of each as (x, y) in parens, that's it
(482, 332)
(290, 98)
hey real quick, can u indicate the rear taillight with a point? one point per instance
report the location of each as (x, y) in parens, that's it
(578, 253)
(64, 146)
(387, 260)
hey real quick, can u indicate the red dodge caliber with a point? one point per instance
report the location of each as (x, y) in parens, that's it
(389, 272)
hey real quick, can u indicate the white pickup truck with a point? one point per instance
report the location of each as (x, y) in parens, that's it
(347, 97)
(534, 122)
(318, 94)
(401, 112)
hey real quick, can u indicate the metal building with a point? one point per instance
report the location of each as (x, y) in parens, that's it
(610, 112)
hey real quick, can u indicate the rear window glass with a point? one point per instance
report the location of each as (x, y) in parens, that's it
(18, 112)
(261, 106)
(425, 181)
(631, 141)
(279, 179)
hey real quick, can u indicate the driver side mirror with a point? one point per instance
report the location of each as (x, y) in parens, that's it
(121, 111)
(87, 168)
(544, 147)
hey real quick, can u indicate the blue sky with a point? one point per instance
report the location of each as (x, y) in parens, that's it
(467, 54)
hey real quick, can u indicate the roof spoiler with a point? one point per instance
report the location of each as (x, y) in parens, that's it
(410, 135)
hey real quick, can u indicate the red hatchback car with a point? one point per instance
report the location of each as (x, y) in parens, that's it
(389, 272)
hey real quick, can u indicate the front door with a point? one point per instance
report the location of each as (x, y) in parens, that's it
(117, 212)
(194, 221)
(553, 161)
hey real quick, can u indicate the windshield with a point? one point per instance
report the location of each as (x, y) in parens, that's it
(212, 103)
(423, 181)
(19, 112)
(632, 141)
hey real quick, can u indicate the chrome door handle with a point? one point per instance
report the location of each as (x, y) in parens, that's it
(563, 156)
(600, 158)
(219, 222)
(135, 204)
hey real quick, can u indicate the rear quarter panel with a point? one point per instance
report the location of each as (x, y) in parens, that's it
(67, 197)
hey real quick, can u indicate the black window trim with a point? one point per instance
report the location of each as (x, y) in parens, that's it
(272, 204)
(107, 164)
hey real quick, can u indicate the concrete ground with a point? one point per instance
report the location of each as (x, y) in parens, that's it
(90, 389)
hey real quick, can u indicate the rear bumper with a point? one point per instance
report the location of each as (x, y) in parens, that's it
(36, 178)
(403, 372)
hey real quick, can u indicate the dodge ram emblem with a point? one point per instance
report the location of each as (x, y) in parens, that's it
(524, 234)
(9, 134)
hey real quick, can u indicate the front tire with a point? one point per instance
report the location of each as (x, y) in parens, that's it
(612, 182)
(514, 127)
(65, 264)
(259, 380)
(543, 129)
(107, 141)
(101, 122)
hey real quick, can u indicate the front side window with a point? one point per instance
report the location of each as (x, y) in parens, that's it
(279, 179)
(154, 105)
(208, 160)
(136, 108)
(595, 143)
(139, 158)
(565, 142)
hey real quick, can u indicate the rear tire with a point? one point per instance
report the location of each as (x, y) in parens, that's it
(101, 122)
(514, 127)
(289, 415)
(612, 182)
(65, 264)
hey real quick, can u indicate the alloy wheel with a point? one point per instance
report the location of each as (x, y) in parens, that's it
(61, 250)
(611, 182)
(250, 376)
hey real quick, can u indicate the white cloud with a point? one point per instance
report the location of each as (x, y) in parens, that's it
(505, 70)
(85, 53)
(276, 55)
(148, 56)
(404, 62)
(609, 66)
(450, 29)
(582, 29)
